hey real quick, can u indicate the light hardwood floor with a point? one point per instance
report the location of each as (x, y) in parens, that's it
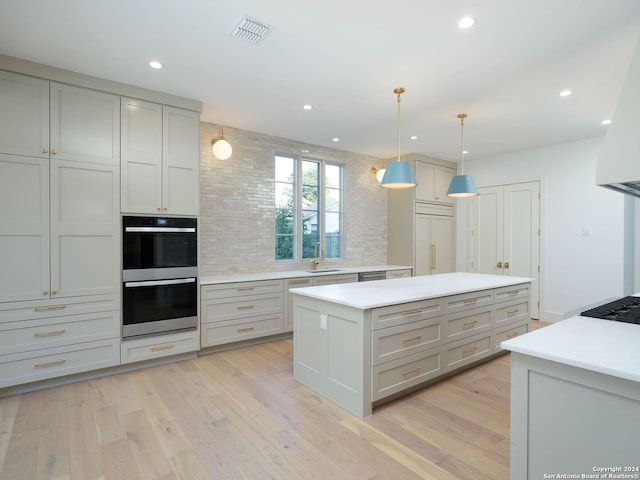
(240, 414)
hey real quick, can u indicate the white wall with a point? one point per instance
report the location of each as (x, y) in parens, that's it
(582, 228)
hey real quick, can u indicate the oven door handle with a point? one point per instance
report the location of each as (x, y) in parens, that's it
(155, 283)
(160, 230)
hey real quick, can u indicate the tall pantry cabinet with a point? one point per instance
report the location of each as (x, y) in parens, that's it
(59, 235)
(421, 220)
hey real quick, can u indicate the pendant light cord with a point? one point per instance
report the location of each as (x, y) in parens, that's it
(462, 116)
(399, 91)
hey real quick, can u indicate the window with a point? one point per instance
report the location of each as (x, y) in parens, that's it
(308, 207)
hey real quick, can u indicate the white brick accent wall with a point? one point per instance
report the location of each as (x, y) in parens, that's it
(237, 220)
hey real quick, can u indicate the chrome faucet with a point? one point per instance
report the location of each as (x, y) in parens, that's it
(315, 254)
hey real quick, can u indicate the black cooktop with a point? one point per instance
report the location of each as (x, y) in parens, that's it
(626, 309)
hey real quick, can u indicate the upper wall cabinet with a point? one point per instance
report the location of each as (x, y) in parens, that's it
(433, 182)
(160, 159)
(85, 125)
(50, 120)
(24, 116)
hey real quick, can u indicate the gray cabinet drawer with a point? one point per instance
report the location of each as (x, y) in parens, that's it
(236, 330)
(55, 362)
(407, 312)
(161, 346)
(467, 323)
(513, 292)
(467, 301)
(508, 332)
(468, 350)
(58, 331)
(402, 340)
(398, 375)
(506, 313)
(222, 310)
(240, 289)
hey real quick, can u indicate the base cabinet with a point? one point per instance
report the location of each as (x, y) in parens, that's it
(567, 421)
(358, 357)
(64, 337)
(232, 312)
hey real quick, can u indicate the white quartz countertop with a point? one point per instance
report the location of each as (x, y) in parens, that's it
(380, 293)
(253, 277)
(603, 346)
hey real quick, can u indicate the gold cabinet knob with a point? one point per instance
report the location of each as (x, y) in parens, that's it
(46, 292)
(53, 292)
(54, 151)
(506, 264)
(499, 264)
(45, 150)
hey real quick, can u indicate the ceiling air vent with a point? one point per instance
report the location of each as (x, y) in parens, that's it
(250, 30)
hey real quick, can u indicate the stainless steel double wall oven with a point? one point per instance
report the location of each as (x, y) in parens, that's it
(160, 275)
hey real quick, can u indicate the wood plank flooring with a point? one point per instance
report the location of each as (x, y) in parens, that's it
(240, 414)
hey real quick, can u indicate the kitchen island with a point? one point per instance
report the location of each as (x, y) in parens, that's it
(575, 400)
(361, 344)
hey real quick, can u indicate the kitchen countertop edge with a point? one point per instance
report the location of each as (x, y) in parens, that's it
(382, 293)
(602, 346)
(285, 274)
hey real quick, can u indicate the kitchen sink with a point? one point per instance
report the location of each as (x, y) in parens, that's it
(324, 271)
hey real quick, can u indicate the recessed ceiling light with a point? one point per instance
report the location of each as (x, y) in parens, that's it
(307, 107)
(413, 137)
(466, 22)
(335, 139)
(605, 122)
(155, 64)
(565, 93)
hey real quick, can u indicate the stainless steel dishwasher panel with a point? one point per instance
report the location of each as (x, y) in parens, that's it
(369, 276)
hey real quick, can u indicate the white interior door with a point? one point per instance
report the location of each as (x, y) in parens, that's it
(487, 231)
(504, 233)
(521, 255)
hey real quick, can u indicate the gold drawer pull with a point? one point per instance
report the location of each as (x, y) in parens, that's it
(470, 300)
(246, 329)
(47, 309)
(411, 372)
(512, 335)
(49, 334)
(50, 364)
(469, 352)
(469, 324)
(296, 282)
(407, 340)
(161, 347)
(411, 312)
(512, 292)
(245, 307)
(243, 289)
(512, 312)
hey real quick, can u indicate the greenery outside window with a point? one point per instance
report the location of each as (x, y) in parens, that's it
(308, 207)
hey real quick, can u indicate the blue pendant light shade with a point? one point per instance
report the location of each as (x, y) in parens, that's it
(399, 173)
(462, 185)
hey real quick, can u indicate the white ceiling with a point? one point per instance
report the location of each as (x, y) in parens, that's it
(346, 56)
